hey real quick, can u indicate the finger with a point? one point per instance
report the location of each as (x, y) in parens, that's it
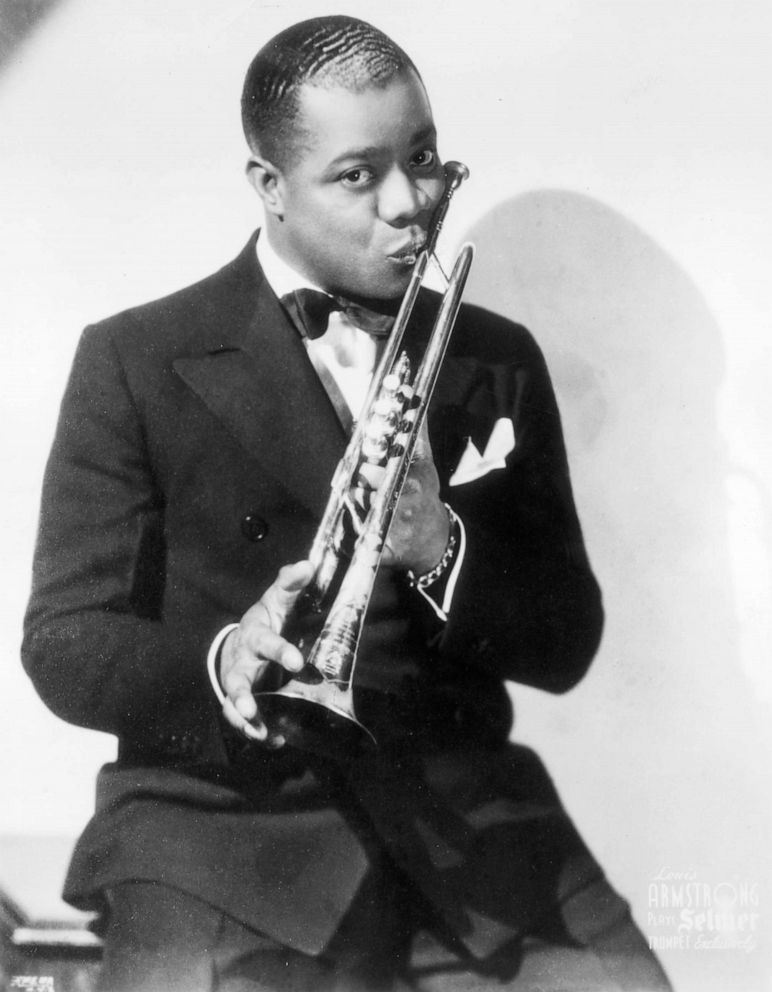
(280, 596)
(253, 727)
(422, 449)
(266, 645)
(422, 477)
(293, 578)
(388, 555)
(238, 689)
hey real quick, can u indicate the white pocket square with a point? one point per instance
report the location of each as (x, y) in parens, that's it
(473, 465)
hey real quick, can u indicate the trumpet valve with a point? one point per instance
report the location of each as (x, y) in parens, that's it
(384, 408)
(391, 384)
(375, 447)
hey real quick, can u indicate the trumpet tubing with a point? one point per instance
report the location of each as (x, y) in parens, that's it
(384, 440)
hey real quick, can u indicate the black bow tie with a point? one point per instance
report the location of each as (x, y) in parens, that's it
(310, 310)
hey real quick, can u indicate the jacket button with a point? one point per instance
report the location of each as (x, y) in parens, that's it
(253, 527)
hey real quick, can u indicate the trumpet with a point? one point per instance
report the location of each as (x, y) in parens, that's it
(318, 702)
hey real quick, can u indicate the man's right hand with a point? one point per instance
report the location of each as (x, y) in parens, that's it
(255, 644)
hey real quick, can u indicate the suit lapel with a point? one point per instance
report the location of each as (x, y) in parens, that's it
(256, 378)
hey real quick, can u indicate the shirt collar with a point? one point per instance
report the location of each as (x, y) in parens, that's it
(280, 276)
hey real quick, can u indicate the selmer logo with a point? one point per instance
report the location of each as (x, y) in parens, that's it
(686, 912)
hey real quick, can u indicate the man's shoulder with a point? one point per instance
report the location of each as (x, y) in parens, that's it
(188, 313)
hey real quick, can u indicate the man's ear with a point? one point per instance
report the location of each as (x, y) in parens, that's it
(265, 178)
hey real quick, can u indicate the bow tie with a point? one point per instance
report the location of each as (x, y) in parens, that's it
(311, 309)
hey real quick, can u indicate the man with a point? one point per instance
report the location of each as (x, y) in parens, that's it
(191, 465)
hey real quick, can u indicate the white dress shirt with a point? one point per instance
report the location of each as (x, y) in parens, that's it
(347, 352)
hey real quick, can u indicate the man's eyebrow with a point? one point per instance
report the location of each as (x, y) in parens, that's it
(428, 133)
(366, 151)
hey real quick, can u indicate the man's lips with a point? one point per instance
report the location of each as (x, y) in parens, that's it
(408, 253)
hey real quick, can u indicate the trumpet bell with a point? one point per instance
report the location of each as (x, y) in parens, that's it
(315, 717)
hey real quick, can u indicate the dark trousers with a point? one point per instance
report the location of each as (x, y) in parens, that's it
(159, 939)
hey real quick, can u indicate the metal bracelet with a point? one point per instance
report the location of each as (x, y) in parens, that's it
(436, 573)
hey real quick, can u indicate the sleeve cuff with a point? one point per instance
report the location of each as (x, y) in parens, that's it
(214, 656)
(441, 606)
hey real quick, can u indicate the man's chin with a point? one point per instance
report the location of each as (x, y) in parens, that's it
(377, 299)
(388, 290)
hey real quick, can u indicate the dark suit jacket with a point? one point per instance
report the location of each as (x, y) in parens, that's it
(192, 459)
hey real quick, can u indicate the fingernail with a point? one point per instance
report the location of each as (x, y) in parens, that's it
(257, 733)
(292, 663)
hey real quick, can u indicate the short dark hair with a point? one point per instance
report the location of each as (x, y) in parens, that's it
(325, 51)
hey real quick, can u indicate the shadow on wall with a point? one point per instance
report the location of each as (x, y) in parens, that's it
(667, 715)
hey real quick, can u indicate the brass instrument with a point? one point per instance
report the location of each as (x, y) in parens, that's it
(385, 436)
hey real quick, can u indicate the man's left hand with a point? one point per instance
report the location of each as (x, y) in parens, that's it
(420, 530)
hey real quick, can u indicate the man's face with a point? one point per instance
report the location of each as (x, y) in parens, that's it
(354, 205)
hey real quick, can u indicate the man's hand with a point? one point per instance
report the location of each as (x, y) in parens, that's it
(417, 539)
(420, 530)
(255, 644)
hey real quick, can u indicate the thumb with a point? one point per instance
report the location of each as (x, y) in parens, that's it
(422, 449)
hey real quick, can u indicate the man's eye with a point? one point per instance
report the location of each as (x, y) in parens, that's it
(425, 159)
(357, 177)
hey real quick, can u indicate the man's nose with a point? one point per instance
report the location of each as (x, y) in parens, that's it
(402, 197)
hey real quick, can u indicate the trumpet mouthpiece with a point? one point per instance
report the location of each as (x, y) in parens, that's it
(456, 173)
